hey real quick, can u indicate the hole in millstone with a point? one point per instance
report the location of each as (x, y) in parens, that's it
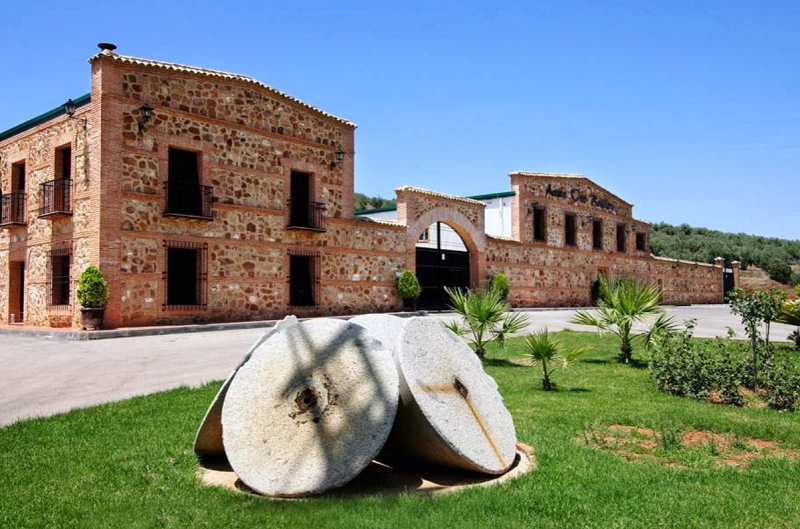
(461, 388)
(306, 400)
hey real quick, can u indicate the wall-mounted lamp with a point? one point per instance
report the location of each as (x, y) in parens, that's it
(145, 114)
(339, 154)
(70, 107)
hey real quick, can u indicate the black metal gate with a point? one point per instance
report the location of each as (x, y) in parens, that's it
(727, 280)
(437, 269)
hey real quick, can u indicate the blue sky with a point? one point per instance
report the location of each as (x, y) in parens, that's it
(688, 109)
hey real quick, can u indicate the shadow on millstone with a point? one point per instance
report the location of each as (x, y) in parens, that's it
(208, 445)
(310, 409)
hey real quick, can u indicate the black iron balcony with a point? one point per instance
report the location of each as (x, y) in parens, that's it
(306, 215)
(12, 209)
(55, 198)
(188, 200)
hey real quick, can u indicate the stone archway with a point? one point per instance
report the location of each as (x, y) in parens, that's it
(419, 209)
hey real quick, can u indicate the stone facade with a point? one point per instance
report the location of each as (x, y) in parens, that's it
(248, 139)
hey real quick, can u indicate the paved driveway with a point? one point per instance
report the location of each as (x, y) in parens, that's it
(41, 377)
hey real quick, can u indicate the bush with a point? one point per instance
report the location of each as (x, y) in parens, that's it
(92, 289)
(701, 370)
(795, 337)
(795, 279)
(779, 270)
(784, 388)
(408, 286)
(500, 285)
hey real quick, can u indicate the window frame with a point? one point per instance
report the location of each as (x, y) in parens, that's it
(542, 210)
(640, 235)
(595, 245)
(622, 238)
(64, 298)
(201, 275)
(572, 218)
(316, 265)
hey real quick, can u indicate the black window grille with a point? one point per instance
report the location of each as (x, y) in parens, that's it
(59, 272)
(303, 212)
(570, 235)
(641, 242)
(621, 246)
(12, 209)
(55, 198)
(184, 196)
(304, 268)
(185, 275)
(597, 234)
(539, 224)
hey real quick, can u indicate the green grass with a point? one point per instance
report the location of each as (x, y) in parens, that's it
(130, 464)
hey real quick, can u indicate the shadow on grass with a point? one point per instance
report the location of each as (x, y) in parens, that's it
(501, 362)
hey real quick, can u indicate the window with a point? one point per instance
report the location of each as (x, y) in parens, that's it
(18, 177)
(641, 242)
(60, 261)
(425, 236)
(597, 234)
(185, 275)
(303, 278)
(539, 224)
(621, 246)
(303, 212)
(570, 235)
(12, 205)
(184, 194)
(54, 196)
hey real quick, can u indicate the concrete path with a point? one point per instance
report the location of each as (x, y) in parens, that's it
(42, 377)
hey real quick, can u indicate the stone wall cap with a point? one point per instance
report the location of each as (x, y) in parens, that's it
(412, 189)
(385, 222)
(501, 238)
(182, 68)
(681, 261)
(567, 176)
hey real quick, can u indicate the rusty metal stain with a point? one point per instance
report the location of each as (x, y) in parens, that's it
(458, 387)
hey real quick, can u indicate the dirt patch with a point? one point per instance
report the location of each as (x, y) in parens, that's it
(683, 449)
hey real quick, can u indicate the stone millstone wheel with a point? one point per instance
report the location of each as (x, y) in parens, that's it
(451, 413)
(384, 327)
(311, 408)
(208, 441)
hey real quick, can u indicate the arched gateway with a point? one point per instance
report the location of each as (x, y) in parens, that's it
(446, 243)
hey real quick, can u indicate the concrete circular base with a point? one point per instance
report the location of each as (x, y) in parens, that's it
(384, 480)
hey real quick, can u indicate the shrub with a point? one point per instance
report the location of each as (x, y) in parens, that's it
(547, 352)
(500, 284)
(484, 317)
(92, 289)
(779, 270)
(795, 337)
(784, 388)
(408, 286)
(622, 303)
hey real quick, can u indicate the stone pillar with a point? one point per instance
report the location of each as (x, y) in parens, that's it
(719, 262)
(737, 269)
(517, 215)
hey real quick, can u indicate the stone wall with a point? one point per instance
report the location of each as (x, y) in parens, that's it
(32, 243)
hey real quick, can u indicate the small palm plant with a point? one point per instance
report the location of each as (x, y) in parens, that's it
(622, 303)
(485, 317)
(546, 351)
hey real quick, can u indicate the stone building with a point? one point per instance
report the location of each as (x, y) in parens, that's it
(209, 196)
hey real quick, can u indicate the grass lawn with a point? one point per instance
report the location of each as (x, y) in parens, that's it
(130, 464)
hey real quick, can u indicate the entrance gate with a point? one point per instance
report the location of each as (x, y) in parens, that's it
(436, 269)
(727, 280)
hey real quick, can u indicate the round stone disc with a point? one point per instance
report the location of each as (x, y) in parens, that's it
(311, 408)
(384, 327)
(208, 441)
(451, 412)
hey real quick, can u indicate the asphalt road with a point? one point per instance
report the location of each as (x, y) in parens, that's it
(41, 377)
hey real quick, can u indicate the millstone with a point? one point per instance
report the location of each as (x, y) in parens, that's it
(208, 441)
(311, 408)
(451, 412)
(384, 327)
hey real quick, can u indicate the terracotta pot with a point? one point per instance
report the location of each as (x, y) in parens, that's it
(410, 304)
(92, 319)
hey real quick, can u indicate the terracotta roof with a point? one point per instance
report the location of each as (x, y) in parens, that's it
(566, 176)
(215, 74)
(440, 195)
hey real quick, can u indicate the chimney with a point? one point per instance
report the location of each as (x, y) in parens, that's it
(106, 48)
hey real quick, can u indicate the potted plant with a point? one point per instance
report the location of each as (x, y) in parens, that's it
(408, 288)
(500, 285)
(92, 295)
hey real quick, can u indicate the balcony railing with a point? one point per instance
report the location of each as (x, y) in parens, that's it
(12, 209)
(55, 198)
(188, 200)
(306, 215)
